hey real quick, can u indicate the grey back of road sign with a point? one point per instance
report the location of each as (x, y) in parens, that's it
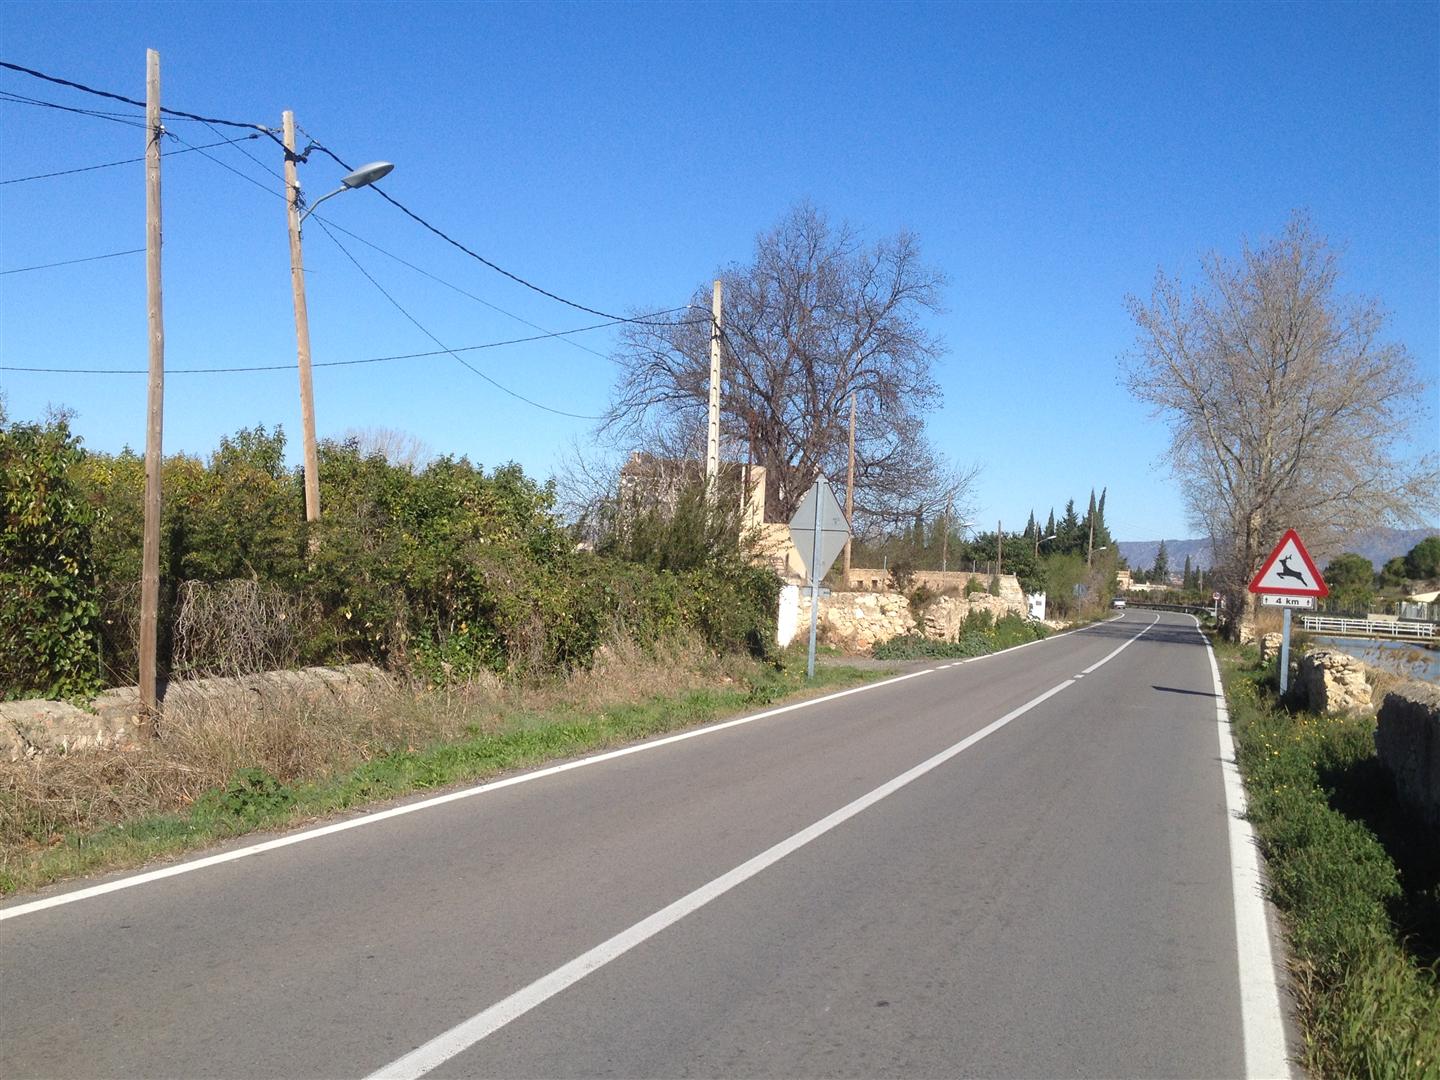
(834, 529)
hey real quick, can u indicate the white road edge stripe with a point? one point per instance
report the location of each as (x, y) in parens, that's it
(467, 1033)
(1122, 648)
(75, 895)
(1262, 1022)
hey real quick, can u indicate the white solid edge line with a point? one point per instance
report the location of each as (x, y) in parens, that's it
(467, 1033)
(1261, 1015)
(425, 804)
(76, 895)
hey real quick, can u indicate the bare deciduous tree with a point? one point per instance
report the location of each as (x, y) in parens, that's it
(1286, 406)
(815, 317)
(398, 448)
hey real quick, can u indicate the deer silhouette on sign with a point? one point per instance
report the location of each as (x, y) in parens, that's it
(1286, 571)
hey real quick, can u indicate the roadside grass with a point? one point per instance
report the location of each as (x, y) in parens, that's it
(1355, 878)
(977, 638)
(216, 776)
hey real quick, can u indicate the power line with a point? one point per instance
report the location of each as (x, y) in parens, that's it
(125, 161)
(261, 128)
(228, 167)
(72, 262)
(19, 99)
(470, 367)
(291, 366)
(472, 296)
(317, 145)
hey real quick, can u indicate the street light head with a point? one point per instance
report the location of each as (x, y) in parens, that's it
(367, 174)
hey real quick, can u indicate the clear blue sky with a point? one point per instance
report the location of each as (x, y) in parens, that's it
(1050, 158)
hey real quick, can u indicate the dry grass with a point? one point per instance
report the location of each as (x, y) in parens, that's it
(208, 741)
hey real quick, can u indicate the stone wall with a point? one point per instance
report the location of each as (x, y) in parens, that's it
(878, 580)
(944, 617)
(1331, 682)
(113, 720)
(1407, 741)
(854, 621)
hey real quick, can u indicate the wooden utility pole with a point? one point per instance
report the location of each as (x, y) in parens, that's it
(850, 489)
(154, 402)
(945, 539)
(999, 548)
(1090, 544)
(302, 324)
(712, 433)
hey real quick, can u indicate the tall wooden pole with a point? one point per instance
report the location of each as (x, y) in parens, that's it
(302, 324)
(850, 489)
(155, 402)
(945, 539)
(999, 548)
(712, 433)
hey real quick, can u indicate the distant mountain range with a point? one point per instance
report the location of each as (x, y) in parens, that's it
(1377, 545)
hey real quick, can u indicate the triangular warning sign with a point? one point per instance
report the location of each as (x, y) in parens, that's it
(1289, 571)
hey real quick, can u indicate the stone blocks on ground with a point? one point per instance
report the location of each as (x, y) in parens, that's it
(1333, 682)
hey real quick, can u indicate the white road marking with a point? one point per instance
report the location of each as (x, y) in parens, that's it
(1121, 649)
(425, 804)
(76, 895)
(467, 1033)
(1262, 1022)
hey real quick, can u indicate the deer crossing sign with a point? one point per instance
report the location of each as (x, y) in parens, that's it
(1289, 571)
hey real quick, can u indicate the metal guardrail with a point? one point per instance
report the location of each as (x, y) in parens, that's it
(1191, 609)
(1322, 624)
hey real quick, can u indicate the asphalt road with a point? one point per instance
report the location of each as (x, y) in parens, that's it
(939, 875)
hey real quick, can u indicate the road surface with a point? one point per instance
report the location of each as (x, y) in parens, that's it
(1023, 865)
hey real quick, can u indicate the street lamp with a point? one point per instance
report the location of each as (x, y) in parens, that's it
(1091, 554)
(1042, 540)
(362, 176)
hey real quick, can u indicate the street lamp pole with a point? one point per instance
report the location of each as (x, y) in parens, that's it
(359, 178)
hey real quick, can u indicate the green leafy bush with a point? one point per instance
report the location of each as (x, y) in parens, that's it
(49, 603)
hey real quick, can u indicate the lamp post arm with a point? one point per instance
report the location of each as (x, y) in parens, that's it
(311, 208)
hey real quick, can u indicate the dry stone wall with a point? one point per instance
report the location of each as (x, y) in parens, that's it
(113, 719)
(1407, 741)
(855, 621)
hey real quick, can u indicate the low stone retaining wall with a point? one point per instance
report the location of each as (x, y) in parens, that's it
(1407, 741)
(30, 728)
(855, 621)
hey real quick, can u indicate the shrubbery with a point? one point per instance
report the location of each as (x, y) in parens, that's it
(447, 571)
(979, 634)
(49, 607)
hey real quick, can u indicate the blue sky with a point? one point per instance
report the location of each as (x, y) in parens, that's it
(1050, 157)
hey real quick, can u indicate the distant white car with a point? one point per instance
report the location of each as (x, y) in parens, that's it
(1118, 602)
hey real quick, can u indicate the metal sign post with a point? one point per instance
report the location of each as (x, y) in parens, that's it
(815, 573)
(819, 532)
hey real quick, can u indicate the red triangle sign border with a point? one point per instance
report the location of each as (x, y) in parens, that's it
(1320, 590)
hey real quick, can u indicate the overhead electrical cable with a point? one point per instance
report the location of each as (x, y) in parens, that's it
(291, 366)
(478, 299)
(261, 128)
(316, 145)
(124, 161)
(72, 262)
(460, 360)
(20, 99)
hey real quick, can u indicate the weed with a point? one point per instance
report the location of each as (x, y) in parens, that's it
(1352, 877)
